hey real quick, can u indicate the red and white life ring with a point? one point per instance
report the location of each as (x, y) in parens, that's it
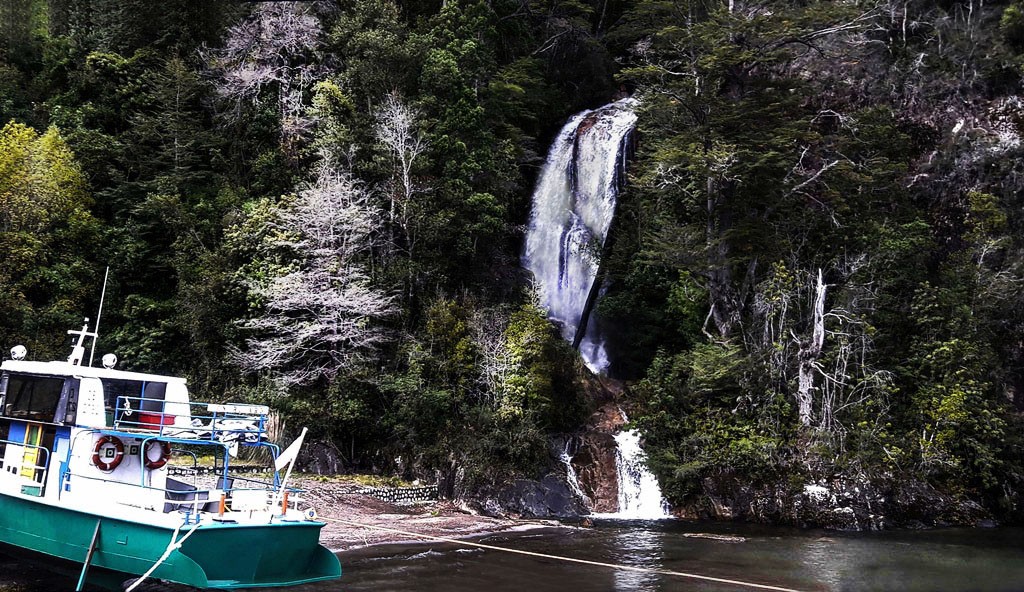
(108, 453)
(161, 460)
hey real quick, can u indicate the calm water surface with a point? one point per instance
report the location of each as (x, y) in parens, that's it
(947, 560)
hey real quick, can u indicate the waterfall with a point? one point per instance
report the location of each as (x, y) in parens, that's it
(639, 492)
(571, 478)
(573, 206)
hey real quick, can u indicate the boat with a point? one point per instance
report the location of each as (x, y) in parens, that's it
(120, 471)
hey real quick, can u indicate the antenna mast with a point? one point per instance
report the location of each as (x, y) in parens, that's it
(99, 313)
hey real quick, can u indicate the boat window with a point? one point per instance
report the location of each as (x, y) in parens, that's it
(32, 397)
(154, 393)
(136, 394)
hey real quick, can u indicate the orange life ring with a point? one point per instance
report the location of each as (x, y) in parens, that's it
(165, 453)
(108, 453)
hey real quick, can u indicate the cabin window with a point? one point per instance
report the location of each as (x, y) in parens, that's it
(154, 393)
(34, 398)
(136, 395)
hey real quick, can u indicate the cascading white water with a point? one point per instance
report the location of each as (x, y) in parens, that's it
(639, 493)
(571, 478)
(573, 207)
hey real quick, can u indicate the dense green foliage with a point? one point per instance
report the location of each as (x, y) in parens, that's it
(872, 142)
(797, 137)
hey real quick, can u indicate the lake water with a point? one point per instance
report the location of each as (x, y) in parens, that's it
(945, 559)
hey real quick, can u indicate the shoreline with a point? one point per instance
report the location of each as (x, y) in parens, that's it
(443, 519)
(449, 520)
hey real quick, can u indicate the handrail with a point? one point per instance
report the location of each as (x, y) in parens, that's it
(223, 475)
(268, 489)
(195, 460)
(244, 423)
(21, 464)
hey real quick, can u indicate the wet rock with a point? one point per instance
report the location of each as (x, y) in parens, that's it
(548, 497)
(923, 503)
(854, 504)
(594, 459)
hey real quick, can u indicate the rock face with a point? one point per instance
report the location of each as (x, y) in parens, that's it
(594, 459)
(320, 458)
(840, 504)
(549, 497)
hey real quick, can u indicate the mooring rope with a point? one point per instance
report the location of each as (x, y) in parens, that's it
(174, 545)
(650, 570)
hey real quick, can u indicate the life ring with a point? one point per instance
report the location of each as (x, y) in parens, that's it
(165, 453)
(108, 453)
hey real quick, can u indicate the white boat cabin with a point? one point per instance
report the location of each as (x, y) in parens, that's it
(80, 436)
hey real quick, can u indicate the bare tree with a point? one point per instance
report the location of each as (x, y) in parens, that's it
(274, 47)
(832, 360)
(398, 129)
(495, 361)
(320, 318)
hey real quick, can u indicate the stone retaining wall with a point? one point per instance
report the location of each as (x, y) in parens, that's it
(179, 470)
(395, 495)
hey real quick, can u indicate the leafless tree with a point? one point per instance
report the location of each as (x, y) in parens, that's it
(831, 358)
(495, 361)
(398, 129)
(809, 351)
(319, 319)
(274, 47)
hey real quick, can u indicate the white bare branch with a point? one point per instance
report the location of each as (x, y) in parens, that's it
(320, 318)
(809, 352)
(273, 47)
(398, 128)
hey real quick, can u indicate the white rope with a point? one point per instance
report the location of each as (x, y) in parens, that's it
(650, 570)
(172, 547)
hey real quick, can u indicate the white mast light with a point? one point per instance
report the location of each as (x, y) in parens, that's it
(18, 352)
(109, 361)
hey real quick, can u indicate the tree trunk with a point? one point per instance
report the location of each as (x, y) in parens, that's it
(721, 292)
(809, 352)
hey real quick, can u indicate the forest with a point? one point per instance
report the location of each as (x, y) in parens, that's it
(815, 274)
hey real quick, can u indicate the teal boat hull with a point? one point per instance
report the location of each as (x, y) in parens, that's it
(215, 556)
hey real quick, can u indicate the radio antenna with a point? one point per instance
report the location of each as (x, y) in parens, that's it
(99, 313)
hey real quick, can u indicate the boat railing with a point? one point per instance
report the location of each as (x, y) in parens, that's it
(39, 472)
(192, 499)
(224, 422)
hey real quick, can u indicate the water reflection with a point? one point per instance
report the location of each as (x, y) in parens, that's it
(638, 548)
(953, 559)
(819, 557)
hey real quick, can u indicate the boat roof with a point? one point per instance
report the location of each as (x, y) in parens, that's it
(61, 368)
